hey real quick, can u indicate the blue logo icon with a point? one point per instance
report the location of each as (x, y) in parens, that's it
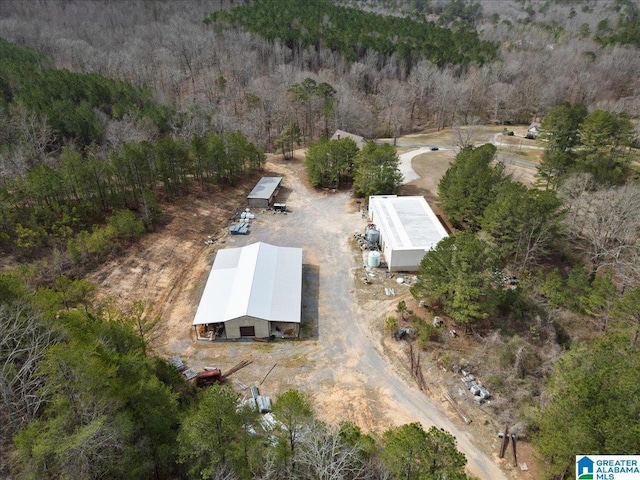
(585, 469)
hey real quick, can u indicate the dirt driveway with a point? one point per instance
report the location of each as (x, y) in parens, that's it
(352, 373)
(344, 366)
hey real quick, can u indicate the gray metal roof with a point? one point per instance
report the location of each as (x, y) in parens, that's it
(259, 280)
(340, 134)
(407, 223)
(265, 187)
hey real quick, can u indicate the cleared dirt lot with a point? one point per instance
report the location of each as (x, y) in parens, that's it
(352, 370)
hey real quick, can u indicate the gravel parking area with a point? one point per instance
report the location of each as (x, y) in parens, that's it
(342, 364)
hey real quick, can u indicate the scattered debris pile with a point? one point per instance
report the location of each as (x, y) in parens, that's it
(240, 228)
(405, 333)
(177, 362)
(247, 215)
(209, 375)
(506, 280)
(365, 242)
(474, 385)
(269, 422)
(259, 402)
(235, 368)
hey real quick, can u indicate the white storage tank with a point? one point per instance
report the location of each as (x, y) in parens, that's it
(374, 259)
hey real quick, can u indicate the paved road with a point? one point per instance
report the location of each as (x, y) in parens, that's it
(410, 175)
(347, 356)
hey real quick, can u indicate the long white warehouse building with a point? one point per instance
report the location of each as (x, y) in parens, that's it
(408, 229)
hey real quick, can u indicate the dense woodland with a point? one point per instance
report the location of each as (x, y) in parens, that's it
(82, 398)
(100, 126)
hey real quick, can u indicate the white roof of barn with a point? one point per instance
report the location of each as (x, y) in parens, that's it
(259, 280)
(265, 187)
(407, 223)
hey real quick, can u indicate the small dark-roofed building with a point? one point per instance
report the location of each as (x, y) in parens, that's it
(360, 141)
(264, 192)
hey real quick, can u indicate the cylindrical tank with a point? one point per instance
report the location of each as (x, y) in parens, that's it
(372, 235)
(374, 258)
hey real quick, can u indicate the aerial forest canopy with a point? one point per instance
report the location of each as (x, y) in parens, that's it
(73, 172)
(626, 32)
(355, 33)
(108, 131)
(71, 102)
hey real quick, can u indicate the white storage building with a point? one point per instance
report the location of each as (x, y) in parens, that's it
(408, 228)
(252, 291)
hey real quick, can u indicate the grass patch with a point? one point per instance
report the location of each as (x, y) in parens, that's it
(527, 154)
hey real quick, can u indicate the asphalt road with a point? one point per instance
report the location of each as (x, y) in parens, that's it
(347, 356)
(495, 139)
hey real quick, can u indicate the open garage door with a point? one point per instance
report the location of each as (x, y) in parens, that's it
(247, 331)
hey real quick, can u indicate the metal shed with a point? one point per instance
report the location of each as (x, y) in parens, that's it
(408, 229)
(252, 291)
(264, 192)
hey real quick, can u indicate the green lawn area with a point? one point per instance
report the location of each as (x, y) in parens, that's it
(515, 146)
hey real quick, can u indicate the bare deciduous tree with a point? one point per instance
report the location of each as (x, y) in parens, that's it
(35, 133)
(466, 135)
(324, 455)
(604, 223)
(129, 130)
(23, 344)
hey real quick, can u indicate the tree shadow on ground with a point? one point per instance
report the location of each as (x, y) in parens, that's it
(283, 195)
(310, 301)
(412, 190)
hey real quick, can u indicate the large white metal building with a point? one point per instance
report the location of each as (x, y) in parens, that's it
(408, 229)
(252, 291)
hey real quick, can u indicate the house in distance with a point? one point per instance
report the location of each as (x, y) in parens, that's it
(340, 134)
